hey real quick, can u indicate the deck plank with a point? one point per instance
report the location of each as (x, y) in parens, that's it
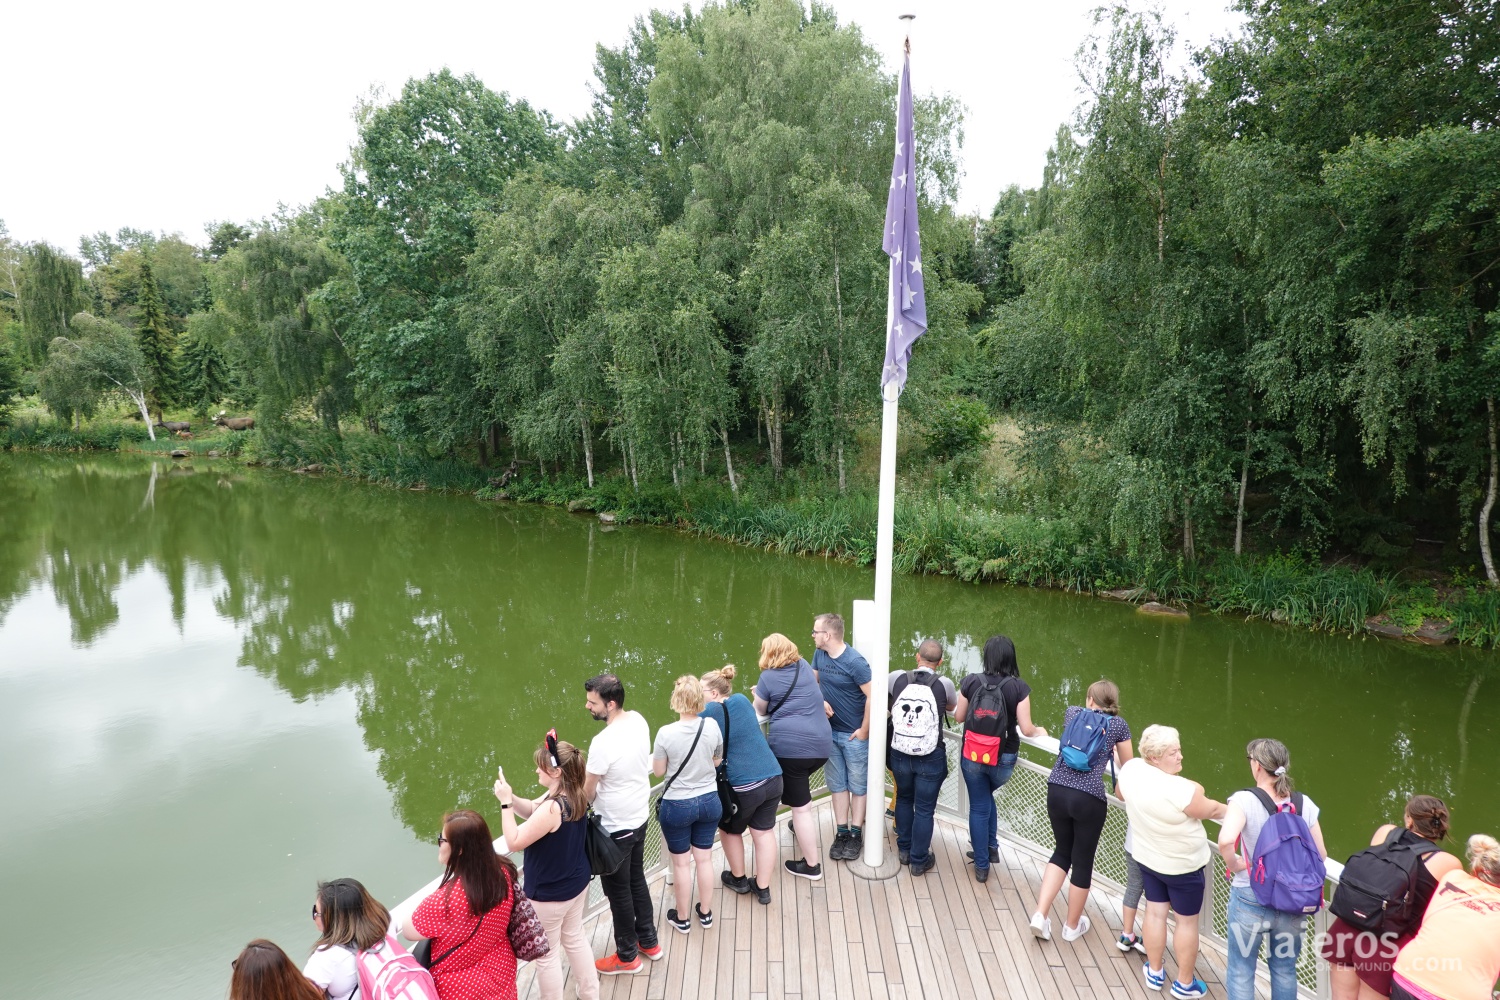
(939, 937)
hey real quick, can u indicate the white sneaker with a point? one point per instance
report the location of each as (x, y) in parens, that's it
(1041, 927)
(1074, 933)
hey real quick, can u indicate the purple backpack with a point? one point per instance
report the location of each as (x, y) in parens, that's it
(1286, 870)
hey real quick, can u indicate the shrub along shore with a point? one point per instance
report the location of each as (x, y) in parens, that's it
(938, 531)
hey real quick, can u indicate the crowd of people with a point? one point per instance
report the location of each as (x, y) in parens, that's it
(723, 775)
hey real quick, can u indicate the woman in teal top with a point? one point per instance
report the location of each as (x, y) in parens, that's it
(756, 778)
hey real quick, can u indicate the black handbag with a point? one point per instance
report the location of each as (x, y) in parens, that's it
(422, 950)
(729, 799)
(606, 854)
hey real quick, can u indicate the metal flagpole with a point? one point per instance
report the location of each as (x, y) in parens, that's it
(878, 650)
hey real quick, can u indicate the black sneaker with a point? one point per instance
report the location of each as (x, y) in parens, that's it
(762, 895)
(856, 845)
(739, 883)
(994, 855)
(903, 856)
(840, 845)
(802, 869)
(706, 919)
(925, 866)
(683, 925)
(981, 875)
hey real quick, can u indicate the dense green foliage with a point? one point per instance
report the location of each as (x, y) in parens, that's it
(1251, 309)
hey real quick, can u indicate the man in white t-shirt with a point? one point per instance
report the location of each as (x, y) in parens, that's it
(619, 785)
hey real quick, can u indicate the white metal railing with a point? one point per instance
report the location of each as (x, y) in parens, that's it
(1022, 813)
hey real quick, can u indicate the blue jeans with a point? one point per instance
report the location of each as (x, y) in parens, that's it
(983, 781)
(848, 766)
(1249, 925)
(918, 782)
(690, 822)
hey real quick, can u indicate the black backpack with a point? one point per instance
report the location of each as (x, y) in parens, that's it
(1378, 890)
(986, 722)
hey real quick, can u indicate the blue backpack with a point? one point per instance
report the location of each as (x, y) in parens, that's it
(1082, 738)
(1286, 870)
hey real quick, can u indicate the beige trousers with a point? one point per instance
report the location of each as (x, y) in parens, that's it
(563, 923)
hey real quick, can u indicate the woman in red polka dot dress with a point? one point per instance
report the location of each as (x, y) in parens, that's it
(468, 916)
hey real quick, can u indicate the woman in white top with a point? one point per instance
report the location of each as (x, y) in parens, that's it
(686, 753)
(349, 920)
(1166, 820)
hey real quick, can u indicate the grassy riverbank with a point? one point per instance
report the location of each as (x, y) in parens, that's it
(939, 531)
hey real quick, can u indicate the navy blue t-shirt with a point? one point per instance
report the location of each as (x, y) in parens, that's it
(840, 678)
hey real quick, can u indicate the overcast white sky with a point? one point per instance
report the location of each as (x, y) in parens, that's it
(165, 114)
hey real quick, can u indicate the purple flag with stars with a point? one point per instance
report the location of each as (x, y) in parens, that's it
(909, 317)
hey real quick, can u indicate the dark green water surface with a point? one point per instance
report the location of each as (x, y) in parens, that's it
(219, 685)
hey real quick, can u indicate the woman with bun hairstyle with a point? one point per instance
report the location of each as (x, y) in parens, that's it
(1456, 954)
(1250, 923)
(468, 917)
(755, 776)
(264, 972)
(349, 921)
(551, 830)
(1361, 970)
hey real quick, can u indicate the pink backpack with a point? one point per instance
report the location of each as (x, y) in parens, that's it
(390, 972)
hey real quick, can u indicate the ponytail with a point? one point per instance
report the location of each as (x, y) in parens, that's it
(1274, 759)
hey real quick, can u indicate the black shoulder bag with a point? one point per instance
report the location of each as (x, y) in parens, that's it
(422, 950)
(606, 854)
(771, 712)
(729, 800)
(689, 756)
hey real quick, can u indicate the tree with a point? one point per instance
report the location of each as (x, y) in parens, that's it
(424, 167)
(276, 291)
(10, 381)
(670, 367)
(204, 375)
(157, 341)
(51, 291)
(538, 333)
(102, 357)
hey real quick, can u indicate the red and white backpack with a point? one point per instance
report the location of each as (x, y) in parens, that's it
(390, 972)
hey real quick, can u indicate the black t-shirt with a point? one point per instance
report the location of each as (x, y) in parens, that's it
(1014, 691)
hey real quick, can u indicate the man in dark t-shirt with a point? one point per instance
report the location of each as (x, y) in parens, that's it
(844, 677)
(919, 775)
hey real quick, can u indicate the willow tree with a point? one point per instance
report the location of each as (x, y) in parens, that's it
(100, 357)
(272, 288)
(51, 291)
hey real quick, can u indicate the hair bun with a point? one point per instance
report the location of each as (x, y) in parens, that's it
(728, 671)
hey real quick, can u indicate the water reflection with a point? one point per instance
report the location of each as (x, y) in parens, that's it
(464, 630)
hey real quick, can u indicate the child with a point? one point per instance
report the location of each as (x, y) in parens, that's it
(1129, 939)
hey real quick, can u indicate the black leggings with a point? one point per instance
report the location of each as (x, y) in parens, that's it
(1077, 821)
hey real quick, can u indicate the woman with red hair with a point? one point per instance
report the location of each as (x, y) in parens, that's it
(467, 918)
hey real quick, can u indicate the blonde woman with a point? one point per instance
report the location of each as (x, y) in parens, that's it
(801, 738)
(686, 753)
(755, 777)
(1456, 954)
(1166, 815)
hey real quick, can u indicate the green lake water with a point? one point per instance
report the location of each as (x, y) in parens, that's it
(218, 685)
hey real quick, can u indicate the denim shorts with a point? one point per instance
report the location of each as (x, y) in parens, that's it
(689, 822)
(848, 766)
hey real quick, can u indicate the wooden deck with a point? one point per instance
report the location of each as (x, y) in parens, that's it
(939, 937)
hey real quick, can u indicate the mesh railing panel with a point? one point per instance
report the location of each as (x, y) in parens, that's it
(1021, 807)
(1022, 816)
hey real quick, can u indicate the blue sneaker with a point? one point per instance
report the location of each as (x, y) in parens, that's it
(1197, 988)
(1154, 980)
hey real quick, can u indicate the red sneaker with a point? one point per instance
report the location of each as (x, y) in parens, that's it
(655, 954)
(610, 965)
